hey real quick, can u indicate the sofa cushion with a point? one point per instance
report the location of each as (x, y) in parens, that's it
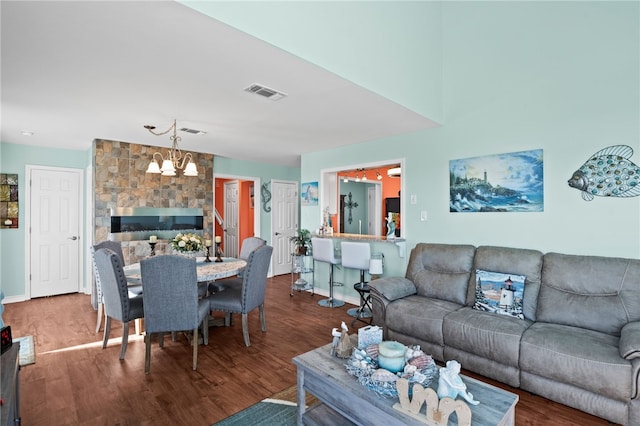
(420, 317)
(442, 271)
(584, 358)
(485, 334)
(592, 292)
(499, 293)
(515, 261)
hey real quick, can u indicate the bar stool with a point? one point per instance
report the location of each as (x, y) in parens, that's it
(322, 249)
(358, 256)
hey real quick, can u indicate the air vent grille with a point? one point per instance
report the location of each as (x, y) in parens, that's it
(266, 92)
(192, 131)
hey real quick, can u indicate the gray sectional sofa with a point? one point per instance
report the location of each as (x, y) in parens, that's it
(579, 341)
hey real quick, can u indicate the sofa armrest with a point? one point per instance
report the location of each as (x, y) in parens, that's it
(392, 288)
(384, 291)
(629, 345)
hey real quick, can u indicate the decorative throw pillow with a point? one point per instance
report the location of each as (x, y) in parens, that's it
(499, 293)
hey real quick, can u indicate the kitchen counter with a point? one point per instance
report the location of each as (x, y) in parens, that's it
(400, 242)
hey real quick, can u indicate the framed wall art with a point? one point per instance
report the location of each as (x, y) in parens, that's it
(309, 193)
(8, 200)
(511, 182)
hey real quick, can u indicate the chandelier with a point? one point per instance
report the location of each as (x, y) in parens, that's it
(174, 159)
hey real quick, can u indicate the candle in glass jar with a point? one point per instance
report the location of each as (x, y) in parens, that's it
(207, 243)
(218, 239)
(153, 239)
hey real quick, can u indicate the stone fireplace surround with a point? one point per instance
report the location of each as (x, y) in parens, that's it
(120, 180)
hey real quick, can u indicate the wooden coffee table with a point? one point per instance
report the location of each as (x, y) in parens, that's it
(344, 401)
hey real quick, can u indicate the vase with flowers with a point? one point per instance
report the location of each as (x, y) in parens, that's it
(187, 244)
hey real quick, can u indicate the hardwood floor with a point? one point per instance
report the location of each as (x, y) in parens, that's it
(75, 382)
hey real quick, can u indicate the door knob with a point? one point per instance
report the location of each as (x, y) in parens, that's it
(73, 238)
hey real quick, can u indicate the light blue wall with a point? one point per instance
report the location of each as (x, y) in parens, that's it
(502, 76)
(14, 159)
(359, 214)
(560, 76)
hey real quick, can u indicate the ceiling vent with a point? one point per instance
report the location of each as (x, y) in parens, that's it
(193, 131)
(266, 92)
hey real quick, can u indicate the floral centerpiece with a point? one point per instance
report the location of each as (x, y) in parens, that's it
(187, 243)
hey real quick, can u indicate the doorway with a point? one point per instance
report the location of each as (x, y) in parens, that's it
(53, 211)
(244, 205)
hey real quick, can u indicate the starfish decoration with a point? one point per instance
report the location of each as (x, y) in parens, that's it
(350, 205)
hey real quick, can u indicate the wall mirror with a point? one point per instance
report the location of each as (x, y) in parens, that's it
(361, 197)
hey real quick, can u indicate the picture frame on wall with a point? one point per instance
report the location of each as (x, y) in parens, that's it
(309, 193)
(9, 200)
(509, 182)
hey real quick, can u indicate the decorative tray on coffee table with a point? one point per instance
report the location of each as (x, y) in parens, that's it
(363, 364)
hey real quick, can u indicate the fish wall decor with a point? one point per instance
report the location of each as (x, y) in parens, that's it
(608, 173)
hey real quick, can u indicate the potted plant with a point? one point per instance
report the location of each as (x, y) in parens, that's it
(301, 242)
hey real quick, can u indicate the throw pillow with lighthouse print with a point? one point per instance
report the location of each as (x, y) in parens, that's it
(500, 293)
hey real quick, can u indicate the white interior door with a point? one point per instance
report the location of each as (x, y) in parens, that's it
(54, 241)
(284, 223)
(231, 217)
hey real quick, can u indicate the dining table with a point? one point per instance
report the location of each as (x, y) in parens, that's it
(206, 271)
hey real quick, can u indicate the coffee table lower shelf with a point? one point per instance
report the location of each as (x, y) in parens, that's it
(343, 401)
(321, 414)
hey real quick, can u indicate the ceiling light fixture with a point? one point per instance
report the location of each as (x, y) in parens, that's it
(364, 175)
(357, 177)
(174, 159)
(346, 179)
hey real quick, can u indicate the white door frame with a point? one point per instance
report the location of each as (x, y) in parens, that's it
(232, 248)
(27, 212)
(374, 216)
(256, 198)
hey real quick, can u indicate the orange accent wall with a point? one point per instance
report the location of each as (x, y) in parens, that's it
(245, 209)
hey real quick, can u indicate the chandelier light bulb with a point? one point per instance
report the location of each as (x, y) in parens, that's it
(167, 167)
(153, 167)
(191, 169)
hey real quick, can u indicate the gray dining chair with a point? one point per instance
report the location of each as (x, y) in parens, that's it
(171, 301)
(248, 245)
(118, 303)
(134, 290)
(245, 294)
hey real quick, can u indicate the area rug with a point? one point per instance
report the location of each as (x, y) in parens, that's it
(278, 410)
(27, 354)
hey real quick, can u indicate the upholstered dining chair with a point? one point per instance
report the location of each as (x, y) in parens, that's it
(134, 290)
(245, 294)
(118, 303)
(248, 245)
(171, 301)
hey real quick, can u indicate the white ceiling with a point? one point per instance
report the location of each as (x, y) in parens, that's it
(74, 71)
